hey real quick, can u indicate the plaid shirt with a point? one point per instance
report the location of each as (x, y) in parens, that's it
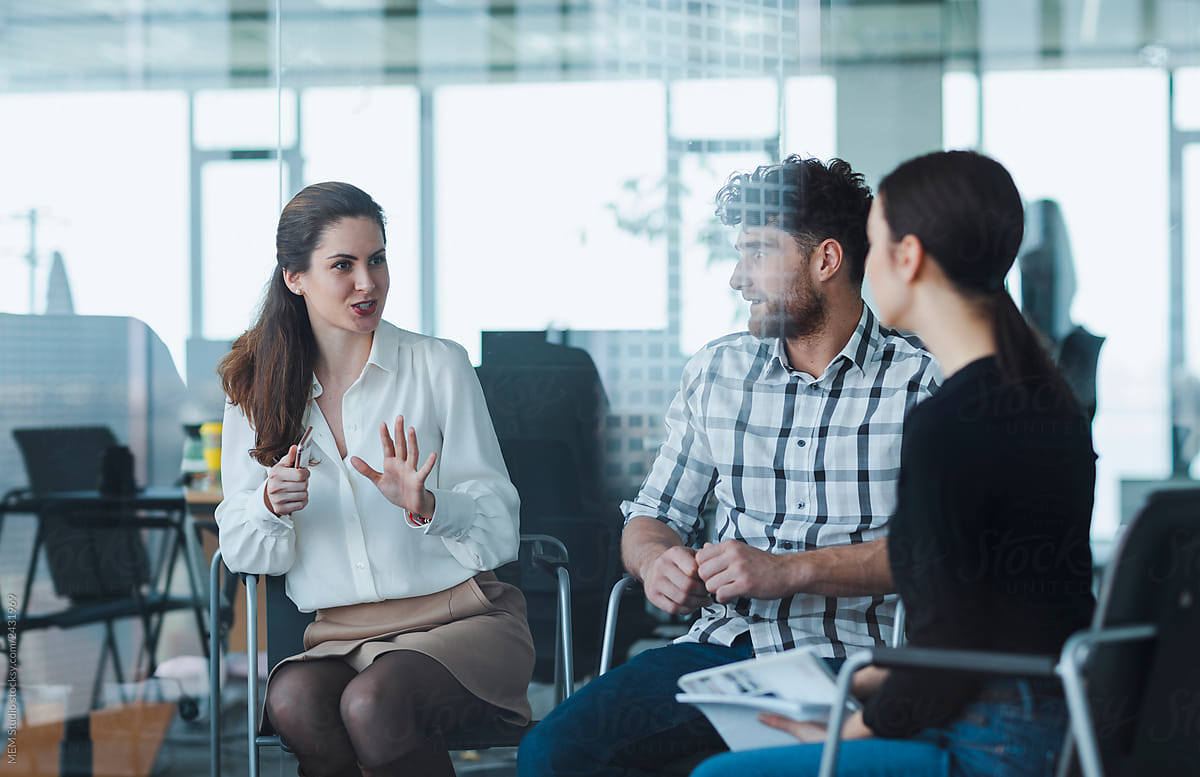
(795, 464)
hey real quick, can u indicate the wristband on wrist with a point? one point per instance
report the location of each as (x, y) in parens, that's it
(416, 520)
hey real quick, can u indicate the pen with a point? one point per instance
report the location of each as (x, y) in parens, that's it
(300, 447)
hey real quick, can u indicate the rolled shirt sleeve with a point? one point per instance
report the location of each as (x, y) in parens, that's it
(683, 475)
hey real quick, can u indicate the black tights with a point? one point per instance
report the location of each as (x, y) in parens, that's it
(386, 720)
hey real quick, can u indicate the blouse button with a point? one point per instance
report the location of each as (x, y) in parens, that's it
(361, 565)
(801, 443)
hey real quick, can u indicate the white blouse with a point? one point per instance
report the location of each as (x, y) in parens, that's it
(350, 544)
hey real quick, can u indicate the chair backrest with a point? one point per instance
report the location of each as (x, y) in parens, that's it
(548, 407)
(1142, 723)
(86, 564)
(63, 458)
(285, 623)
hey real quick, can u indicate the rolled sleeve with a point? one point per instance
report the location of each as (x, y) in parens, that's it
(683, 475)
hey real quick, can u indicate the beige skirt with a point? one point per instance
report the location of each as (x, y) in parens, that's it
(477, 630)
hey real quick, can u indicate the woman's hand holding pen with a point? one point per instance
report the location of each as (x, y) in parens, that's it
(402, 483)
(287, 485)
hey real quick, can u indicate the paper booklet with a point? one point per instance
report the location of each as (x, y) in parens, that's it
(797, 684)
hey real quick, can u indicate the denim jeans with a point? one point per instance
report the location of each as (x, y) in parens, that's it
(627, 722)
(1019, 736)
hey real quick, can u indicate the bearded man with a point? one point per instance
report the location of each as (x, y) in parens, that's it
(794, 428)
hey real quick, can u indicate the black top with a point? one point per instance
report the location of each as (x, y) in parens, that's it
(989, 545)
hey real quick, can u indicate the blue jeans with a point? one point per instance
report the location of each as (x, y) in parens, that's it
(1020, 737)
(627, 722)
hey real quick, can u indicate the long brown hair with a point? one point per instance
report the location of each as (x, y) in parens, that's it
(268, 372)
(965, 209)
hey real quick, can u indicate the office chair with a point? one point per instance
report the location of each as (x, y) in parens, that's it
(285, 631)
(96, 556)
(1123, 676)
(548, 406)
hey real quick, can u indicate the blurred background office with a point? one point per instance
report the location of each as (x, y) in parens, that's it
(549, 166)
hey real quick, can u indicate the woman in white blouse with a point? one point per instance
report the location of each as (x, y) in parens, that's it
(414, 635)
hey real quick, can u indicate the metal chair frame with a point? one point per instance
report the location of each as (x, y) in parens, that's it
(624, 585)
(1070, 666)
(549, 554)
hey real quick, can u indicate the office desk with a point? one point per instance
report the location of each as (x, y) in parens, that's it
(160, 509)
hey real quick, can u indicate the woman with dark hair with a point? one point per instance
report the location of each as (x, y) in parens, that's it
(324, 483)
(989, 542)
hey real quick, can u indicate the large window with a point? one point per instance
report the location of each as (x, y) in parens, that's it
(536, 225)
(552, 165)
(99, 178)
(1112, 188)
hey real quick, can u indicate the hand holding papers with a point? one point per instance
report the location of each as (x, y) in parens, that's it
(797, 684)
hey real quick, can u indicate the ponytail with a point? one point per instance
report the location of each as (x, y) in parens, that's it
(966, 210)
(1021, 357)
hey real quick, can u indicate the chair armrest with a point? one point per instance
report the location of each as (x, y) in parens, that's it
(546, 552)
(972, 661)
(550, 555)
(1076, 653)
(16, 495)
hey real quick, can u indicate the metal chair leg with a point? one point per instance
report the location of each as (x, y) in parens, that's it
(837, 717)
(610, 622)
(214, 665)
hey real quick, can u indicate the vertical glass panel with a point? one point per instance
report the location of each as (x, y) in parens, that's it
(550, 202)
(369, 136)
(95, 123)
(1187, 98)
(1189, 384)
(1119, 244)
(240, 213)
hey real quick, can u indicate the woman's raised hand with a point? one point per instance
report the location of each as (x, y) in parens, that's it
(287, 485)
(401, 482)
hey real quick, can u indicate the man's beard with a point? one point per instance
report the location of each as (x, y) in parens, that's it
(801, 314)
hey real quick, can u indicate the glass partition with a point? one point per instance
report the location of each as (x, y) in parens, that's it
(551, 166)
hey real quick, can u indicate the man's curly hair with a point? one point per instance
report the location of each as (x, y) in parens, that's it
(806, 198)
